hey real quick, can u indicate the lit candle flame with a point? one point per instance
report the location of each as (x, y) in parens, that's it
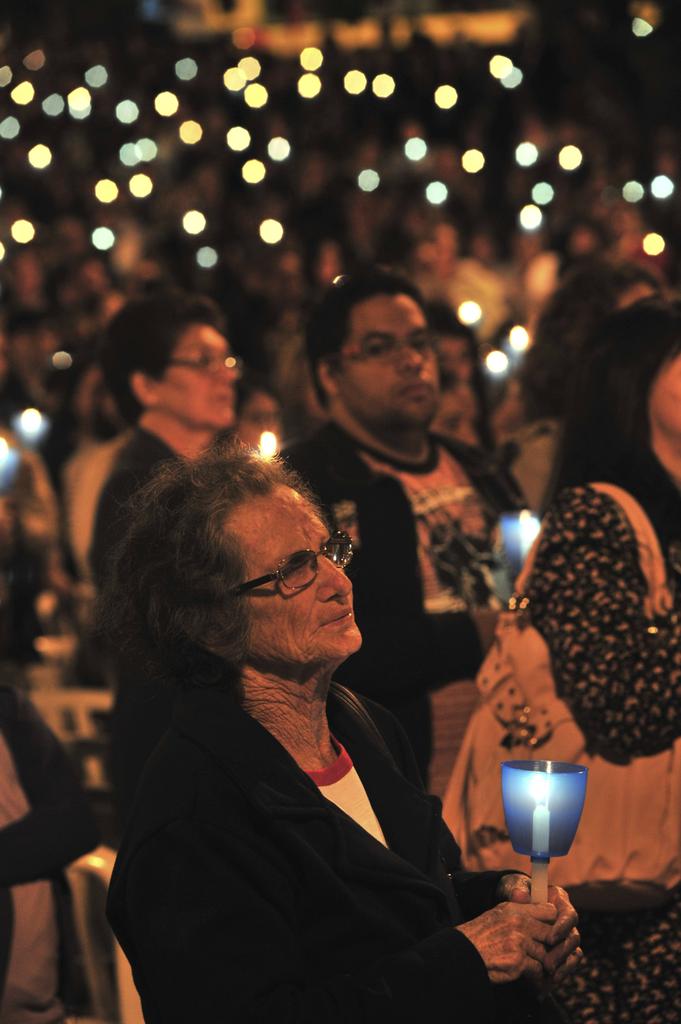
(268, 444)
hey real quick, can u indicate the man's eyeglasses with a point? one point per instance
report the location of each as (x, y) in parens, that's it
(386, 348)
(299, 569)
(210, 364)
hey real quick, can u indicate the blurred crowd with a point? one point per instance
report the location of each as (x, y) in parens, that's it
(361, 172)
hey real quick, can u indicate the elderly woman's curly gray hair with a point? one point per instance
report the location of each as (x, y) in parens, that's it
(166, 601)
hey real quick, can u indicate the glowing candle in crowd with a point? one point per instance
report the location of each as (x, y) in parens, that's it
(30, 427)
(518, 532)
(268, 444)
(9, 465)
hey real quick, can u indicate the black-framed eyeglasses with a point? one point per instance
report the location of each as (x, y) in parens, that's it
(210, 364)
(297, 571)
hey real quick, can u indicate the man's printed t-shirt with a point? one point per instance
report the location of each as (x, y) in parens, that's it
(454, 535)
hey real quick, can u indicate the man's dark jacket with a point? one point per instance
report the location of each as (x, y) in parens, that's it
(241, 894)
(405, 651)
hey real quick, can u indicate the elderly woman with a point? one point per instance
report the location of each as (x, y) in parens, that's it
(282, 862)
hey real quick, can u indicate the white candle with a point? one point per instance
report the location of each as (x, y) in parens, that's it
(541, 820)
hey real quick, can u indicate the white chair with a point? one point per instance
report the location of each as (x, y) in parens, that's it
(78, 716)
(107, 972)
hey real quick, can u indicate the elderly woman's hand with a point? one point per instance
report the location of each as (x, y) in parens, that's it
(564, 953)
(512, 939)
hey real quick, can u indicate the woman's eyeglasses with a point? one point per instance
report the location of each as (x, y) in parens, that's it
(210, 364)
(299, 569)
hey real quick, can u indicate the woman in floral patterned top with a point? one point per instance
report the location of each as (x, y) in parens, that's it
(622, 682)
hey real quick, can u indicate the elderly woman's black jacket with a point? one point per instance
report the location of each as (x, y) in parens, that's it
(242, 894)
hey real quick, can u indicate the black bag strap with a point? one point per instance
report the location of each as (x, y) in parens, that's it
(354, 705)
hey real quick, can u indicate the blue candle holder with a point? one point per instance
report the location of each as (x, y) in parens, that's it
(543, 803)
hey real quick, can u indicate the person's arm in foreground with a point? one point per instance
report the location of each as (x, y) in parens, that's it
(212, 928)
(59, 825)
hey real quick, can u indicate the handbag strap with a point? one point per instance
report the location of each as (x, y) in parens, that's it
(659, 599)
(354, 705)
(650, 554)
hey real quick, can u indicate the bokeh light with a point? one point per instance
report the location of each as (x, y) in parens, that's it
(519, 338)
(653, 244)
(530, 217)
(147, 148)
(103, 239)
(190, 132)
(129, 154)
(496, 361)
(140, 186)
(278, 148)
(255, 95)
(311, 58)
(96, 76)
(62, 360)
(234, 79)
(206, 257)
(244, 37)
(194, 222)
(436, 192)
(500, 66)
(186, 68)
(446, 97)
(106, 190)
(415, 148)
(383, 86)
(40, 156)
(368, 180)
(542, 193)
(22, 231)
(271, 231)
(469, 312)
(23, 93)
(2, 252)
(5, 76)
(472, 161)
(641, 28)
(355, 82)
(238, 138)
(54, 105)
(526, 154)
(570, 158)
(79, 100)
(166, 103)
(662, 187)
(513, 79)
(250, 68)
(127, 111)
(633, 191)
(34, 61)
(253, 171)
(309, 85)
(9, 128)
